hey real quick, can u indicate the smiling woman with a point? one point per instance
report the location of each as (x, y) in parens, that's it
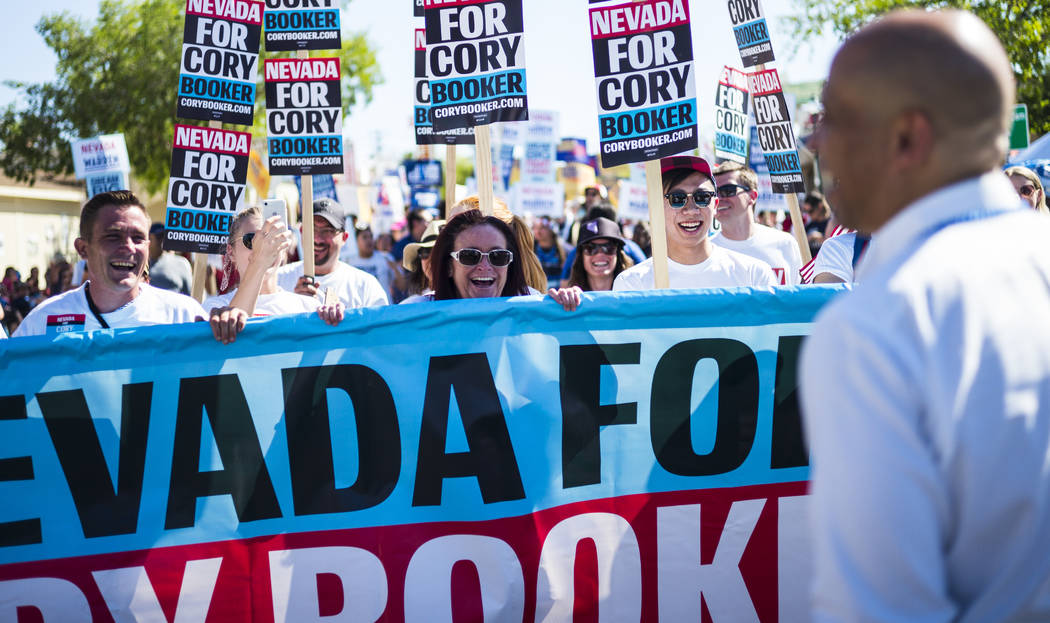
(476, 256)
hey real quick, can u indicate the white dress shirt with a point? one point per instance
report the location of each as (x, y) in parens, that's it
(926, 394)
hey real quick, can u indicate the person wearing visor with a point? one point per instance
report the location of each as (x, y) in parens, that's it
(416, 261)
(693, 261)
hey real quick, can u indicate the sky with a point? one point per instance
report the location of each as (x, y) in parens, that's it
(557, 50)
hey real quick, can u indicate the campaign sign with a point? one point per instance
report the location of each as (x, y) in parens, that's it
(423, 114)
(751, 32)
(220, 60)
(640, 459)
(539, 199)
(106, 182)
(731, 113)
(634, 200)
(100, 154)
(475, 62)
(423, 172)
(417, 9)
(541, 147)
(209, 168)
(775, 134)
(643, 66)
(324, 187)
(304, 116)
(302, 25)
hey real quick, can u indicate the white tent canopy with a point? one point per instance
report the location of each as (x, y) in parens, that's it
(1039, 150)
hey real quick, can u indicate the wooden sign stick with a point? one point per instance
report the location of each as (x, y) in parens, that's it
(450, 178)
(306, 203)
(483, 168)
(654, 184)
(200, 260)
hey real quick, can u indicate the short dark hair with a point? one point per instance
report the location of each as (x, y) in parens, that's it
(360, 230)
(440, 257)
(602, 210)
(115, 198)
(416, 215)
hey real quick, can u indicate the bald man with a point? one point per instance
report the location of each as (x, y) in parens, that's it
(926, 390)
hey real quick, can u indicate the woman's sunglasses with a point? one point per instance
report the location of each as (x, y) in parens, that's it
(246, 240)
(593, 248)
(472, 257)
(1026, 190)
(677, 199)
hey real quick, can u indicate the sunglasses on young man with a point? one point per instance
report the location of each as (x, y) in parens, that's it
(594, 248)
(725, 191)
(677, 199)
(472, 257)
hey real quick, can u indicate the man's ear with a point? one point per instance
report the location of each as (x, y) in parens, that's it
(911, 140)
(81, 247)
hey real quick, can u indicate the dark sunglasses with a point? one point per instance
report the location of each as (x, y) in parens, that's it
(593, 248)
(725, 191)
(472, 257)
(677, 199)
(1026, 190)
(246, 240)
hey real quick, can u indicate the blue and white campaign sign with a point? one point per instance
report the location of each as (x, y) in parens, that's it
(304, 116)
(731, 115)
(475, 62)
(101, 154)
(423, 114)
(303, 25)
(220, 61)
(209, 168)
(475, 460)
(775, 134)
(324, 186)
(751, 32)
(106, 182)
(645, 80)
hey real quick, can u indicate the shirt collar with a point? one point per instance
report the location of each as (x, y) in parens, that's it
(989, 193)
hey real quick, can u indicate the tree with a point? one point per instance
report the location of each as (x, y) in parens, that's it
(120, 74)
(1023, 26)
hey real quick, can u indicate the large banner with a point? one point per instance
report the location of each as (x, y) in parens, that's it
(475, 62)
(497, 460)
(209, 168)
(304, 116)
(643, 68)
(220, 61)
(775, 134)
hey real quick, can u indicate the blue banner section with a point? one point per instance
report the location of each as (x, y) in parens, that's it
(291, 147)
(783, 162)
(301, 21)
(751, 33)
(199, 221)
(160, 436)
(477, 88)
(216, 89)
(648, 121)
(731, 143)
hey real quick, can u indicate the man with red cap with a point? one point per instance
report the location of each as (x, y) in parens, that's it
(692, 261)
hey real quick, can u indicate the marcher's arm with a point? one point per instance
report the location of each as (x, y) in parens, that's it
(268, 247)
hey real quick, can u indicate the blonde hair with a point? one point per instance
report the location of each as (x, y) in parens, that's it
(534, 275)
(237, 222)
(1030, 175)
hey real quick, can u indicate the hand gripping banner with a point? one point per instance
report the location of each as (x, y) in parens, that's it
(430, 462)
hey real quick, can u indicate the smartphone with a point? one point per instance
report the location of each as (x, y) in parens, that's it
(275, 207)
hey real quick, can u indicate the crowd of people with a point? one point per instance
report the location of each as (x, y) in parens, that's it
(562, 257)
(925, 392)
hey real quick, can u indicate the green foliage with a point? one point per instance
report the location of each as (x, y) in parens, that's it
(120, 74)
(1023, 26)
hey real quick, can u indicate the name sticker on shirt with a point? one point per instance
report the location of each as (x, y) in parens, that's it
(64, 323)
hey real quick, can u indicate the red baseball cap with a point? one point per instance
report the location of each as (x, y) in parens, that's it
(694, 163)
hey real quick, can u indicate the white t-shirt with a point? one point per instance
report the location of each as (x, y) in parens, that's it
(776, 248)
(69, 312)
(836, 257)
(378, 266)
(723, 269)
(276, 304)
(355, 287)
